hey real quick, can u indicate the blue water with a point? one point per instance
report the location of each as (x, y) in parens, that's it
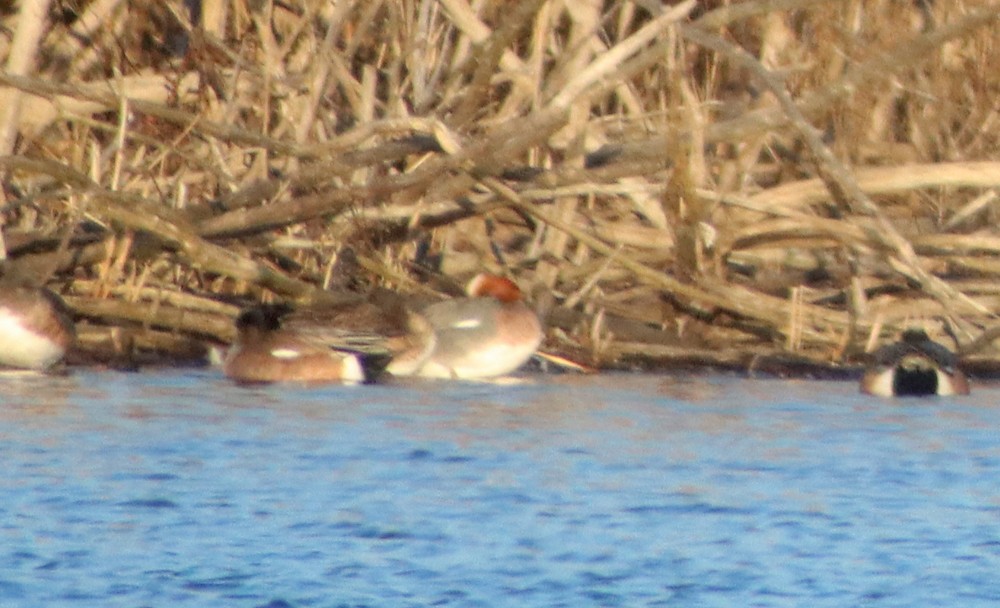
(180, 489)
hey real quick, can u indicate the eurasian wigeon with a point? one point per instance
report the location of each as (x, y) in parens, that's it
(489, 333)
(266, 351)
(914, 366)
(380, 324)
(35, 327)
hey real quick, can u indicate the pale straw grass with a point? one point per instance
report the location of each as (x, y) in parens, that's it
(770, 181)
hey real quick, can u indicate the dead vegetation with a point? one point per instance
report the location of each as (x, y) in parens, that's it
(779, 184)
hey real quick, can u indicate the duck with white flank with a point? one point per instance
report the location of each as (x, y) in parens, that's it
(489, 333)
(264, 351)
(350, 342)
(914, 366)
(35, 327)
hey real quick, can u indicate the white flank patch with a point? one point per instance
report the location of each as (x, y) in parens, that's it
(20, 347)
(285, 353)
(470, 323)
(945, 386)
(215, 356)
(353, 372)
(881, 386)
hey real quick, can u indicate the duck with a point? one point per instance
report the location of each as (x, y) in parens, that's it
(36, 328)
(914, 366)
(266, 351)
(489, 333)
(380, 324)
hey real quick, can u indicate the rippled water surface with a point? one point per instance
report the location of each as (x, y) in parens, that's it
(179, 489)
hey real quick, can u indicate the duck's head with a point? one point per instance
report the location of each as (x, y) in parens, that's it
(914, 335)
(262, 317)
(491, 285)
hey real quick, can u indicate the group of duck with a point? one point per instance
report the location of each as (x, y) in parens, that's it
(488, 333)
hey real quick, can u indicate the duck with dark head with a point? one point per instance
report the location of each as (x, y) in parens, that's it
(914, 366)
(266, 350)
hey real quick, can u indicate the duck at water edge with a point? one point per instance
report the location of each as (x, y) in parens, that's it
(35, 327)
(265, 351)
(490, 333)
(914, 366)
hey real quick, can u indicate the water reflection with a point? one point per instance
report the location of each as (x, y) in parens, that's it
(27, 394)
(180, 487)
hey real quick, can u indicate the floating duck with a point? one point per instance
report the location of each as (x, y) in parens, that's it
(489, 333)
(35, 327)
(265, 351)
(916, 365)
(379, 324)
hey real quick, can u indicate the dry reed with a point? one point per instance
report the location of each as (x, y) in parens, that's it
(767, 184)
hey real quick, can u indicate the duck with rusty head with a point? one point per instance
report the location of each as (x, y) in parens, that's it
(491, 332)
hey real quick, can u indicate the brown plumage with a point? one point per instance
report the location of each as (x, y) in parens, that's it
(264, 351)
(35, 327)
